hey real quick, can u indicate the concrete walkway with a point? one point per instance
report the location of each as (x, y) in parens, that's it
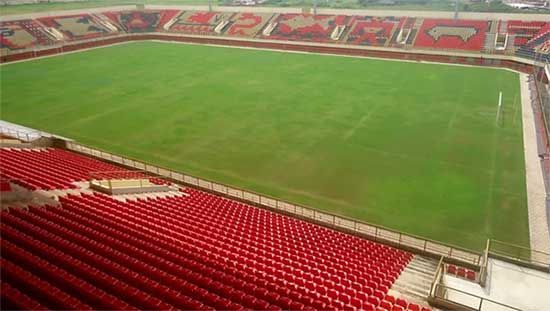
(507, 284)
(536, 192)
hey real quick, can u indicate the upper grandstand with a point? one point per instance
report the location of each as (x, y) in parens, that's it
(435, 32)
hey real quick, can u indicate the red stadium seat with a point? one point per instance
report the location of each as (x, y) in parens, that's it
(386, 305)
(195, 251)
(401, 302)
(397, 308)
(451, 269)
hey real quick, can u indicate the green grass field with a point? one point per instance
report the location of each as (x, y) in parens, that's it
(410, 146)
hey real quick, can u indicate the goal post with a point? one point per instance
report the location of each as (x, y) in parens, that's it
(499, 107)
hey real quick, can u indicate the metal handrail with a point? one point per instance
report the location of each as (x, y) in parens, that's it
(335, 220)
(446, 289)
(26, 136)
(518, 255)
(141, 175)
(437, 276)
(484, 264)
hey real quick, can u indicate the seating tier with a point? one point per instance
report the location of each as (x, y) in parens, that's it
(452, 34)
(77, 27)
(429, 33)
(307, 27)
(139, 21)
(190, 252)
(48, 169)
(198, 23)
(22, 34)
(372, 31)
(248, 24)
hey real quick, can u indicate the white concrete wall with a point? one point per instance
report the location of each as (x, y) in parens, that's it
(17, 2)
(65, 12)
(226, 8)
(539, 235)
(425, 14)
(438, 14)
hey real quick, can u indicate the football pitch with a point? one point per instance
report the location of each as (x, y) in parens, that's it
(414, 147)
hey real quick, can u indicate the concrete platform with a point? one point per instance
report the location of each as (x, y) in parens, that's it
(522, 288)
(126, 186)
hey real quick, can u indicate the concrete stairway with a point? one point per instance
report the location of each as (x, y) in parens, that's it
(414, 282)
(490, 37)
(413, 32)
(489, 44)
(503, 27)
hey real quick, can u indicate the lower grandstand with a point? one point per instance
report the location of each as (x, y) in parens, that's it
(211, 253)
(187, 248)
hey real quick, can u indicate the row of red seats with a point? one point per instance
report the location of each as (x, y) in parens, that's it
(307, 27)
(146, 243)
(36, 287)
(138, 21)
(13, 299)
(377, 299)
(129, 287)
(5, 185)
(291, 26)
(23, 34)
(452, 34)
(462, 272)
(48, 169)
(187, 211)
(349, 257)
(77, 26)
(120, 208)
(516, 27)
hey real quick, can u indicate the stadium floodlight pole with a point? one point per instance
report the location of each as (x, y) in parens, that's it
(456, 9)
(314, 7)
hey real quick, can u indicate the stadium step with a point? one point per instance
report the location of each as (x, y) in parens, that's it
(149, 195)
(493, 27)
(510, 44)
(503, 26)
(415, 280)
(489, 44)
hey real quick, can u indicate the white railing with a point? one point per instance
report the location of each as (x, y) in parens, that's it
(21, 135)
(466, 301)
(371, 231)
(443, 296)
(520, 254)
